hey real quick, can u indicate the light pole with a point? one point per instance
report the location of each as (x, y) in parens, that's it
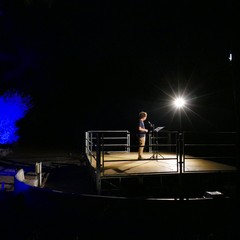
(179, 104)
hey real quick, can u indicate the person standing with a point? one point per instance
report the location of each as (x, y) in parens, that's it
(142, 134)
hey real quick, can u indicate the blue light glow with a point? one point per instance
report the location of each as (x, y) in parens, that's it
(13, 107)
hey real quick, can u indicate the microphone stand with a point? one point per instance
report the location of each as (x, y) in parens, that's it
(155, 143)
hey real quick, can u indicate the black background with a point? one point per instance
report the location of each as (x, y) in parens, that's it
(92, 65)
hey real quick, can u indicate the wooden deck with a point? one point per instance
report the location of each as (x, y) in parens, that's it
(126, 163)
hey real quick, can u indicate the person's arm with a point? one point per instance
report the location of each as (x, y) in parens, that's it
(142, 129)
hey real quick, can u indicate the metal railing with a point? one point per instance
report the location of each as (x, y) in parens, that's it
(215, 146)
(221, 147)
(110, 140)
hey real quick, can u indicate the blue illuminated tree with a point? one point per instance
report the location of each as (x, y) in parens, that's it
(13, 107)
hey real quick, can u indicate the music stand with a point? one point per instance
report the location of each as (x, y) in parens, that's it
(156, 153)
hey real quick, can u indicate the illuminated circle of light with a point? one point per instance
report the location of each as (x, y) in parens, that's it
(179, 102)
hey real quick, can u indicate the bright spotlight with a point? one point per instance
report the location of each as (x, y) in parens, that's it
(179, 102)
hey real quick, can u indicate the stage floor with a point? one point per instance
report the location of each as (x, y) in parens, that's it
(126, 163)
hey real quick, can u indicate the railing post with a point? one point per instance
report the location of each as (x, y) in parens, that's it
(38, 170)
(98, 164)
(180, 161)
(128, 142)
(86, 143)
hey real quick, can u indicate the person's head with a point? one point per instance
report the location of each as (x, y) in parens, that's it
(142, 115)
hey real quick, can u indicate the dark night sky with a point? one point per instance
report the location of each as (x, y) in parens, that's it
(95, 64)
